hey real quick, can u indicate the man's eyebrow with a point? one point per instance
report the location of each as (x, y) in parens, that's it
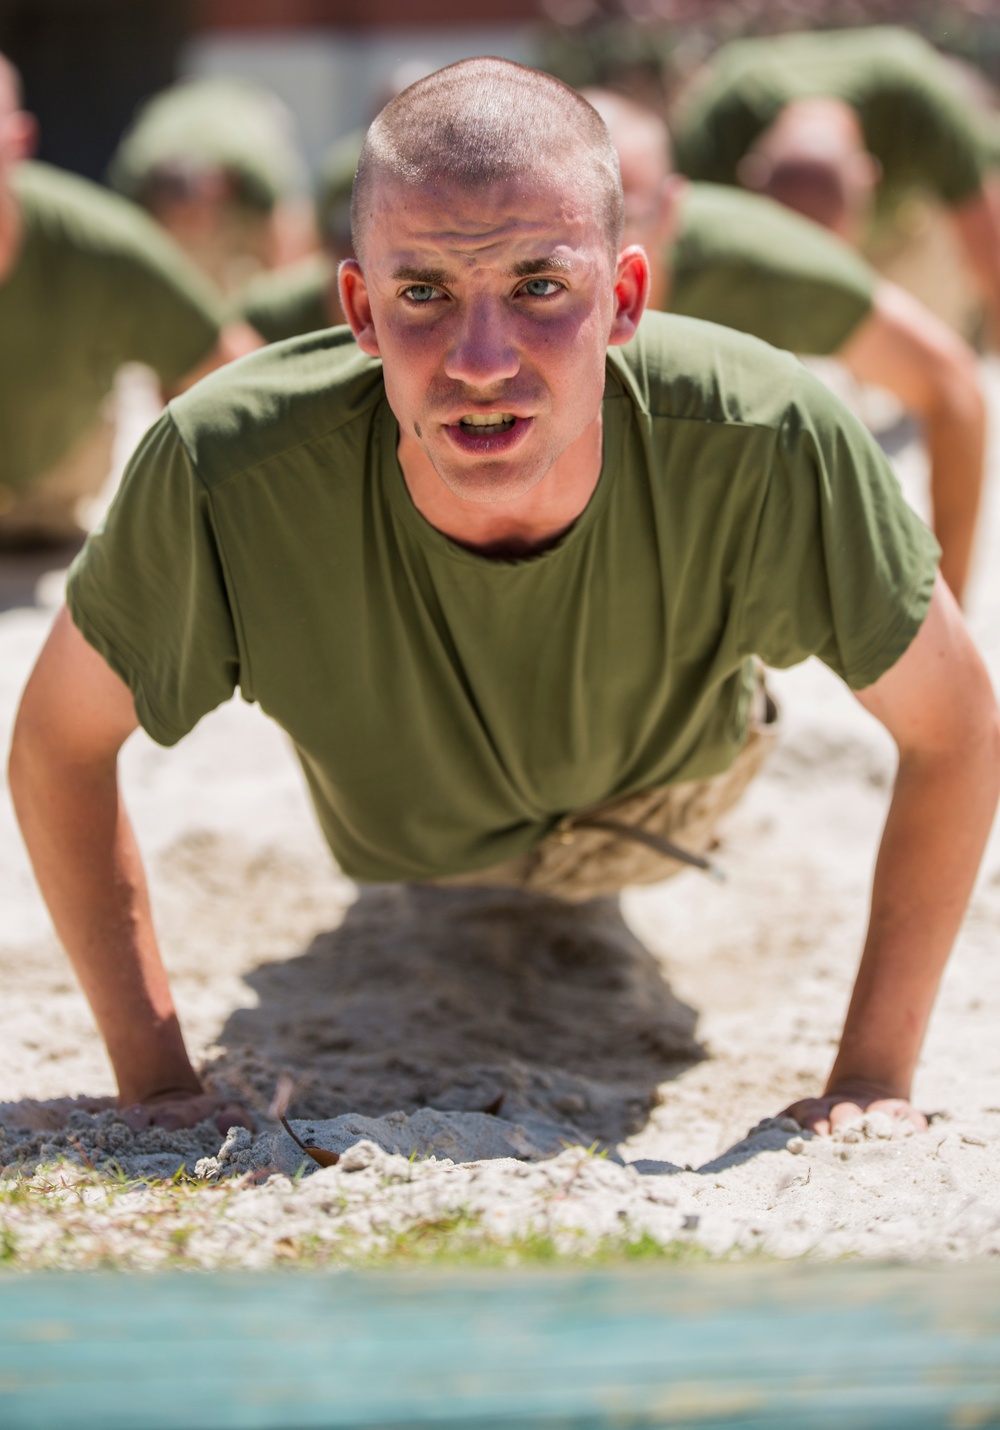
(433, 277)
(527, 268)
(531, 267)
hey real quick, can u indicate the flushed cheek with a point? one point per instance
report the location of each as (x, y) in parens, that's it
(571, 349)
(407, 387)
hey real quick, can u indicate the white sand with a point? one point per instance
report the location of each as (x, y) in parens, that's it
(660, 1034)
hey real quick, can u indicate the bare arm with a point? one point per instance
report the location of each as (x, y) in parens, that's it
(905, 348)
(937, 703)
(235, 341)
(74, 717)
(977, 223)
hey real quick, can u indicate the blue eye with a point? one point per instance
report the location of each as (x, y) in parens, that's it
(540, 287)
(421, 293)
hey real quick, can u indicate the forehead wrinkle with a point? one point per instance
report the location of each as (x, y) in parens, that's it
(474, 229)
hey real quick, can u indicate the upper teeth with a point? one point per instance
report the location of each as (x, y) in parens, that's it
(487, 419)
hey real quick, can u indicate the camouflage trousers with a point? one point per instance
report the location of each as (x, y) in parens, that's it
(639, 839)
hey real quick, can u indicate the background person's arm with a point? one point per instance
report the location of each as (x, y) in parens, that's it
(977, 223)
(75, 715)
(235, 340)
(937, 703)
(903, 347)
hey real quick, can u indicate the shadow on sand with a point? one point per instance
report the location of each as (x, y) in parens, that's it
(448, 998)
(463, 1001)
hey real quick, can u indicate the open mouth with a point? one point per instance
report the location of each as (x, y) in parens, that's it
(487, 424)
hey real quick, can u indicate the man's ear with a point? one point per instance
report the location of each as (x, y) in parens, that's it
(631, 292)
(357, 306)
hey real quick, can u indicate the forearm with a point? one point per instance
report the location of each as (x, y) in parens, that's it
(235, 340)
(934, 836)
(902, 347)
(955, 432)
(977, 223)
(90, 873)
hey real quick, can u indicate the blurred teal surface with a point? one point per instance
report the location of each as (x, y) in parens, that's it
(760, 1346)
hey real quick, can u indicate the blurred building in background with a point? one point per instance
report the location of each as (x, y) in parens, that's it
(88, 63)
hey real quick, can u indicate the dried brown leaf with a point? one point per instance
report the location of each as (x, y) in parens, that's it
(320, 1155)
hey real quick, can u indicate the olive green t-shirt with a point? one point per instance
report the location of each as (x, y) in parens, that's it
(448, 708)
(288, 301)
(95, 284)
(219, 122)
(916, 124)
(748, 263)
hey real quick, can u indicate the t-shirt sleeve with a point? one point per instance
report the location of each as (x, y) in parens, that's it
(928, 134)
(149, 594)
(841, 566)
(175, 316)
(286, 302)
(748, 264)
(802, 312)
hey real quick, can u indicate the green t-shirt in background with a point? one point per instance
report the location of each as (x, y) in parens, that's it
(288, 301)
(95, 284)
(449, 708)
(334, 187)
(747, 263)
(915, 122)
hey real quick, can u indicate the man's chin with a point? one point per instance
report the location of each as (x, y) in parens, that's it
(490, 483)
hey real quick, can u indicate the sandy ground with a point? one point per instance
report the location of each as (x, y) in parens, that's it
(633, 1047)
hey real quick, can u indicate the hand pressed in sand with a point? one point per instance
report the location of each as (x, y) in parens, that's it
(937, 704)
(63, 779)
(176, 1108)
(844, 1105)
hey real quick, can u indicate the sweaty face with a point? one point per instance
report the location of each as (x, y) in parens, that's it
(491, 309)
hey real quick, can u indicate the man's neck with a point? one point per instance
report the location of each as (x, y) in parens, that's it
(512, 529)
(10, 228)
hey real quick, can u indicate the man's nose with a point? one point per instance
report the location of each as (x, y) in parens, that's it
(484, 351)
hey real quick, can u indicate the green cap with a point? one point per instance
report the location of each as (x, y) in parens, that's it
(209, 125)
(334, 185)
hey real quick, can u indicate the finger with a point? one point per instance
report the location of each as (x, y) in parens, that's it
(900, 1111)
(816, 1121)
(232, 1116)
(844, 1114)
(181, 1113)
(136, 1117)
(810, 1114)
(173, 1119)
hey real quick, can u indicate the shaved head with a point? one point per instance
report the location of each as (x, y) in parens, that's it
(635, 130)
(484, 122)
(812, 159)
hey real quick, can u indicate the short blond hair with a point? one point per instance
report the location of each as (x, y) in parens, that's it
(483, 121)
